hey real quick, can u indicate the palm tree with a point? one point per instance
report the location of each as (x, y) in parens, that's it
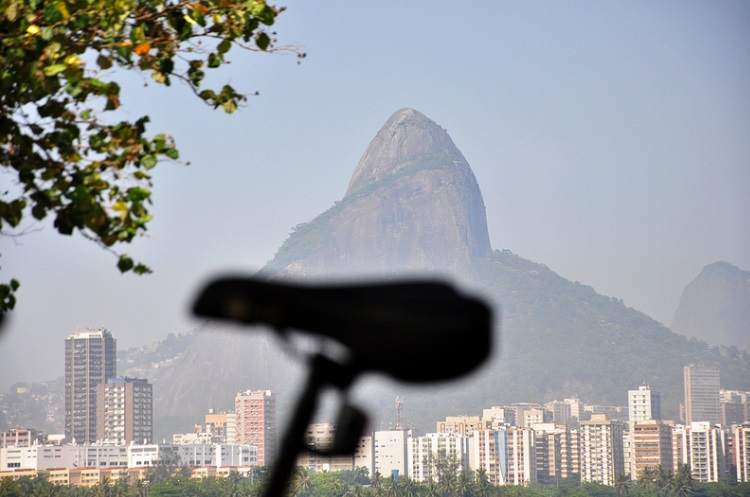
(376, 481)
(482, 485)
(392, 487)
(432, 489)
(464, 484)
(301, 484)
(622, 484)
(664, 480)
(683, 482)
(357, 490)
(361, 475)
(408, 487)
(448, 484)
(647, 478)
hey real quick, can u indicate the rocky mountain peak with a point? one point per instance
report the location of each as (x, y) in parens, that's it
(413, 205)
(715, 307)
(406, 135)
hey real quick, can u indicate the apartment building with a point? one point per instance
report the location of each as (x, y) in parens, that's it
(90, 359)
(255, 418)
(426, 450)
(742, 451)
(124, 411)
(601, 444)
(703, 447)
(652, 446)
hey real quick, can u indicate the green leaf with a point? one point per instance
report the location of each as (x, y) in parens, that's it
(142, 269)
(104, 61)
(262, 40)
(172, 153)
(214, 60)
(229, 106)
(138, 194)
(149, 161)
(54, 69)
(125, 263)
(38, 211)
(224, 46)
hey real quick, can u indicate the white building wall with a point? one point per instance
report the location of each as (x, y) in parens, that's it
(390, 449)
(742, 451)
(707, 452)
(488, 450)
(38, 457)
(423, 452)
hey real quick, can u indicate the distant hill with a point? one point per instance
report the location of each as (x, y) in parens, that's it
(715, 307)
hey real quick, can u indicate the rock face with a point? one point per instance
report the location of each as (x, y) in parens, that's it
(715, 307)
(412, 204)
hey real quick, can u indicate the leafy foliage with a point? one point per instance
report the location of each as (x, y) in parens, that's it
(59, 135)
(335, 485)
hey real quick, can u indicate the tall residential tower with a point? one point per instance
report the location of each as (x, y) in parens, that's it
(256, 422)
(702, 394)
(89, 360)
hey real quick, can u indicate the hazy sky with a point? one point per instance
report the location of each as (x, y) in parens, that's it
(611, 142)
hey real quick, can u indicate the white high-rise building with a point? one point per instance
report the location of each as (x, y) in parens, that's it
(521, 456)
(488, 451)
(703, 447)
(742, 451)
(390, 449)
(644, 404)
(602, 458)
(424, 451)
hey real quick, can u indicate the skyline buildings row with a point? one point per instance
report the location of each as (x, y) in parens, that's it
(121, 402)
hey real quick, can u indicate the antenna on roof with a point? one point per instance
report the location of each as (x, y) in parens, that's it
(399, 406)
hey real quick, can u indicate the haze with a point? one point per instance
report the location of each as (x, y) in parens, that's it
(611, 142)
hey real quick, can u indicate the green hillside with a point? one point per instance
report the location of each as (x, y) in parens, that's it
(561, 338)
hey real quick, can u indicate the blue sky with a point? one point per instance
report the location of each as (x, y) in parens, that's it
(611, 142)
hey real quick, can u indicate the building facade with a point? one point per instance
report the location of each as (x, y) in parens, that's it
(125, 411)
(487, 451)
(320, 438)
(90, 359)
(742, 451)
(255, 413)
(425, 452)
(702, 401)
(651, 446)
(601, 445)
(644, 404)
(21, 437)
(704, 448)
(390, 452)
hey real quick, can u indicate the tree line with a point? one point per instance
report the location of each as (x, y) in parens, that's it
(358, 483)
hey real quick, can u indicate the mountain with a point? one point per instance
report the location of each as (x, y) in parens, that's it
(413, 206)
(715, 307)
